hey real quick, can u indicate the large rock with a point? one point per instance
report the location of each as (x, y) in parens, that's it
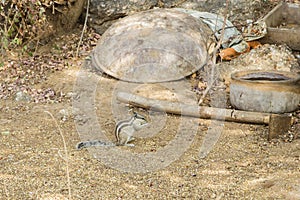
(103, 13)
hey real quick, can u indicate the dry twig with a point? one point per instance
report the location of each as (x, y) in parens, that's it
(213, 61)
(66, 158)
(84, 27)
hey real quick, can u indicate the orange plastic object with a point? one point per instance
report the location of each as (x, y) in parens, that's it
(230, 53)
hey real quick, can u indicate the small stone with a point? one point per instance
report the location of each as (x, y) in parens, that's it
(64, 113)
(22, 96)
(70, 94)
(5, 132)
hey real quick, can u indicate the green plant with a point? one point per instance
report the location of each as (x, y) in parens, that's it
(21, 21)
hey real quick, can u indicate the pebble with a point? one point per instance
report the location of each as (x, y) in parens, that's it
(22, 96)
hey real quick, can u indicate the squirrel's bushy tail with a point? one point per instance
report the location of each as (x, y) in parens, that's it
(95, 143)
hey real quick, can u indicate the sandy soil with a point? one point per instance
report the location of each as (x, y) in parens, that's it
(242, 164)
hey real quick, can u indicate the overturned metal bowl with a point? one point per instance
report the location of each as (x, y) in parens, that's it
(156, 45)
(265, 91)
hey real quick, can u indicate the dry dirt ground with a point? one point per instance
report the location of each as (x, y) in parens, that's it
(242, 164)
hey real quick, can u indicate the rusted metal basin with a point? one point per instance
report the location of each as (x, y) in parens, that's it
(153, 46)
(265, 91)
